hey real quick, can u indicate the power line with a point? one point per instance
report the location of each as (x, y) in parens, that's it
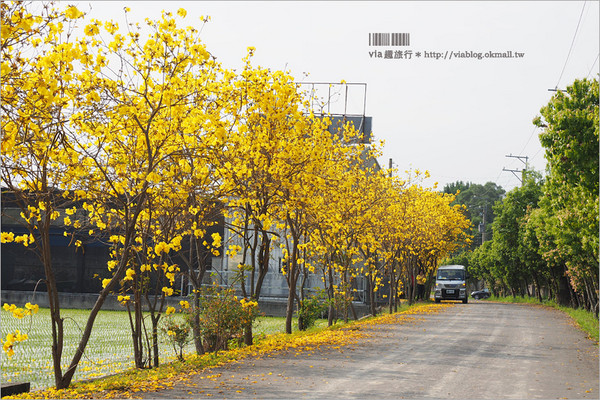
(530, 136)
(572, 43)
(591, 69)
(538, 152)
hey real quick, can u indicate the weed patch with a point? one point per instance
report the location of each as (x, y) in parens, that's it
(585, 320)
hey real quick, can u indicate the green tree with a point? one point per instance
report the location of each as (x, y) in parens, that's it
(570, 137)
(482, 264)
(479, 200)
(511, 213)
(553, 275)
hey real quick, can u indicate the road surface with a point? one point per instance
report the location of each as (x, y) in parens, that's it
(478, 350)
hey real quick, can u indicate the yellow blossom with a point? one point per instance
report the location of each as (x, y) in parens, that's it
(91, 30)
(7, 237)
(33, 308)
(73, 13)
(123, 299)
(129, 274)
(161, 247)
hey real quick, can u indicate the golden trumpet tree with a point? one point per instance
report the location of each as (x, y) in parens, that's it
(319, 157)
(347, 209)
(143, 131)
(272, 148)
(143, 119)
(431, 230)
(391, 231)
(378, 247)
(40, 91)
(265, 110)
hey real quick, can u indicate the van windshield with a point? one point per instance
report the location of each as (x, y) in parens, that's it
(451, 275)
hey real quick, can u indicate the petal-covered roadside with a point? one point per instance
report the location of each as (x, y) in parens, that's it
(131, 383)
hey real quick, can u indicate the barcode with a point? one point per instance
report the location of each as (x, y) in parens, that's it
(389, 39)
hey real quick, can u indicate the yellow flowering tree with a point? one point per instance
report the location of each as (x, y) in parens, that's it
(176, 330)
(202, 147)
(318, 156)
(347, 201)
(263, 153)
(431, 229)
(377, 230)
(145, 109)
(40, 90)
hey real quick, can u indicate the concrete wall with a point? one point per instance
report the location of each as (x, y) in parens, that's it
(270, 307)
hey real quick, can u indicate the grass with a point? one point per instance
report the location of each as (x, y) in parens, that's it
(109, 350)
(586, 320)
(274, 325)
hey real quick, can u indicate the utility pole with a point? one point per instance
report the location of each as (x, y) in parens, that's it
(483, 209)
(482, 224)
(390, 167)
(522, 171)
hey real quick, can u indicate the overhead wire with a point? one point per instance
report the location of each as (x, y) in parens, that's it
(496, 181)
(528, 140)
(538, 152)
(562, 73)
(591, 69)
(572, 43)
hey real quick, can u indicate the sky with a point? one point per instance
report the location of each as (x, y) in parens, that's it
(444, 106)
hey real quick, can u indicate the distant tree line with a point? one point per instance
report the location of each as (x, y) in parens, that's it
(542, 237)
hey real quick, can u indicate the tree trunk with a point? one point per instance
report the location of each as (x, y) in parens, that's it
(290, 304)
(57, 321)
(346, 296)
(538, 288)
(372, 297)
(196, 321)
(392, 294)
(65, 382)
(155, 340)
(331, 295)
(138, 345)
(263, 264)
(248, 337)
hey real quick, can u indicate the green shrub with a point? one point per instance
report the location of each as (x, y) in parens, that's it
(222, 317)
(177, 334)
(309, 311)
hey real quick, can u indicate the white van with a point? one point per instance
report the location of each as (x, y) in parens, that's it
(451, 283)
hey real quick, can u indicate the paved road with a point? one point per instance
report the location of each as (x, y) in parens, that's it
(478, 350)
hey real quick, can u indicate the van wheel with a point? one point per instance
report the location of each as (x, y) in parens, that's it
(437, 300)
